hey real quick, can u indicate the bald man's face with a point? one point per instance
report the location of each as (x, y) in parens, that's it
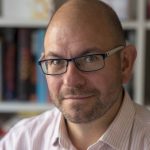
(82, 96)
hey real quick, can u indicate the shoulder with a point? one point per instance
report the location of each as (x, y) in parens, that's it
(34, 128)
(45, 119)
(142, 115)
(141, 125)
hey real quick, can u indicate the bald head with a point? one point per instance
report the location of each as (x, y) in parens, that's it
(93, 16)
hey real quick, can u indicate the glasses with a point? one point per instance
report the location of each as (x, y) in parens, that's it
(86, 63)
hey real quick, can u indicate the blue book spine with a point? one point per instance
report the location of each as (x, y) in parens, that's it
(41, 87)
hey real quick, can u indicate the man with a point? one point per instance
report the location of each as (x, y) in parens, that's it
(86, 62)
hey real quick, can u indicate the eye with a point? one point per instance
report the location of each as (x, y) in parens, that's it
(56, 61)
(91, 58)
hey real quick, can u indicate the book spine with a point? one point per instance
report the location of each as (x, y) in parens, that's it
(33, 78)
(41, 88)
(9, 69)
(23, 65)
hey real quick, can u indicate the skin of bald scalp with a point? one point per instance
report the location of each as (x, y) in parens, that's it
(74, 28)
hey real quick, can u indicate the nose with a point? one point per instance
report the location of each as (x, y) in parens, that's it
(73, 76)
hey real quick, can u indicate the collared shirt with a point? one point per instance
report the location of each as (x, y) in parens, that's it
(130, 130)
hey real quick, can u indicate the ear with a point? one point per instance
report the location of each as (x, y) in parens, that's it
(128, 56)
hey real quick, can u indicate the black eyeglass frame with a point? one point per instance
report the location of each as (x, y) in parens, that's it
(104, 56)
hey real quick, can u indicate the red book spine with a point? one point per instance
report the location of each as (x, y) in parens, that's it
(9, 66)
(24, 64)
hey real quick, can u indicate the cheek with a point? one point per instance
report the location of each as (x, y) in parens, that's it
(107, 81)
(53, 85)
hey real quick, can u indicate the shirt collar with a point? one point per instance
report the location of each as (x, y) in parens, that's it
(55, 135)
(119, 131)
(61, 136)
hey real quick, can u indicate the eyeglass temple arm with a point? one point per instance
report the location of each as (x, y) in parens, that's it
(41, 57)
(109, 53)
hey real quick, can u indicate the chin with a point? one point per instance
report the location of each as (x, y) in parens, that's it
(80, 115)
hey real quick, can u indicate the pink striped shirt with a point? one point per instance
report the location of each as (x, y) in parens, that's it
(130, 130)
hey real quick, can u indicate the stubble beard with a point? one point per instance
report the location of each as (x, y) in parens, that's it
(97, 109)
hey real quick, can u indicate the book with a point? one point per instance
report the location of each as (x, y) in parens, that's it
(41, 85)
(24, 61)
(9, 64)
(33, 79)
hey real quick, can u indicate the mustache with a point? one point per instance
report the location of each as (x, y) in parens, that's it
(77, 92)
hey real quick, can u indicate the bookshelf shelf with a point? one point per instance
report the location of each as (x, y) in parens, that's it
(12, 107)
(148, 25)
(129, 25)
(9, 22)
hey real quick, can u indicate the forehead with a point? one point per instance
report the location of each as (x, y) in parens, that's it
(80, 25)
(72, 41)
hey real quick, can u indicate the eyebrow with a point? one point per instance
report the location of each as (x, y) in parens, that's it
(93, 50)
(50, 53)
(87, 51)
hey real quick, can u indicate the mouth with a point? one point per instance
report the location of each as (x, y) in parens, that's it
(77, 97)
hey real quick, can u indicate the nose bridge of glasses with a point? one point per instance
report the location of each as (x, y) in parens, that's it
(71, 60)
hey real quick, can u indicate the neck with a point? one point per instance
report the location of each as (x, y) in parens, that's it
(85, 134)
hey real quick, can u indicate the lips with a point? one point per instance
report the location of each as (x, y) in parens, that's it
(76, 94)
(77, 97)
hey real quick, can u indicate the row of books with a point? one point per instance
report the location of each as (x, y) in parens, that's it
(20, 76)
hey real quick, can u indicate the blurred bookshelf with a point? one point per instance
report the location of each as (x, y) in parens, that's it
(137, 31)
(13, 107)
(22, 29)
(28, 23)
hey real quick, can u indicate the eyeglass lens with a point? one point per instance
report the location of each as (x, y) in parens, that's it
(84, 63)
